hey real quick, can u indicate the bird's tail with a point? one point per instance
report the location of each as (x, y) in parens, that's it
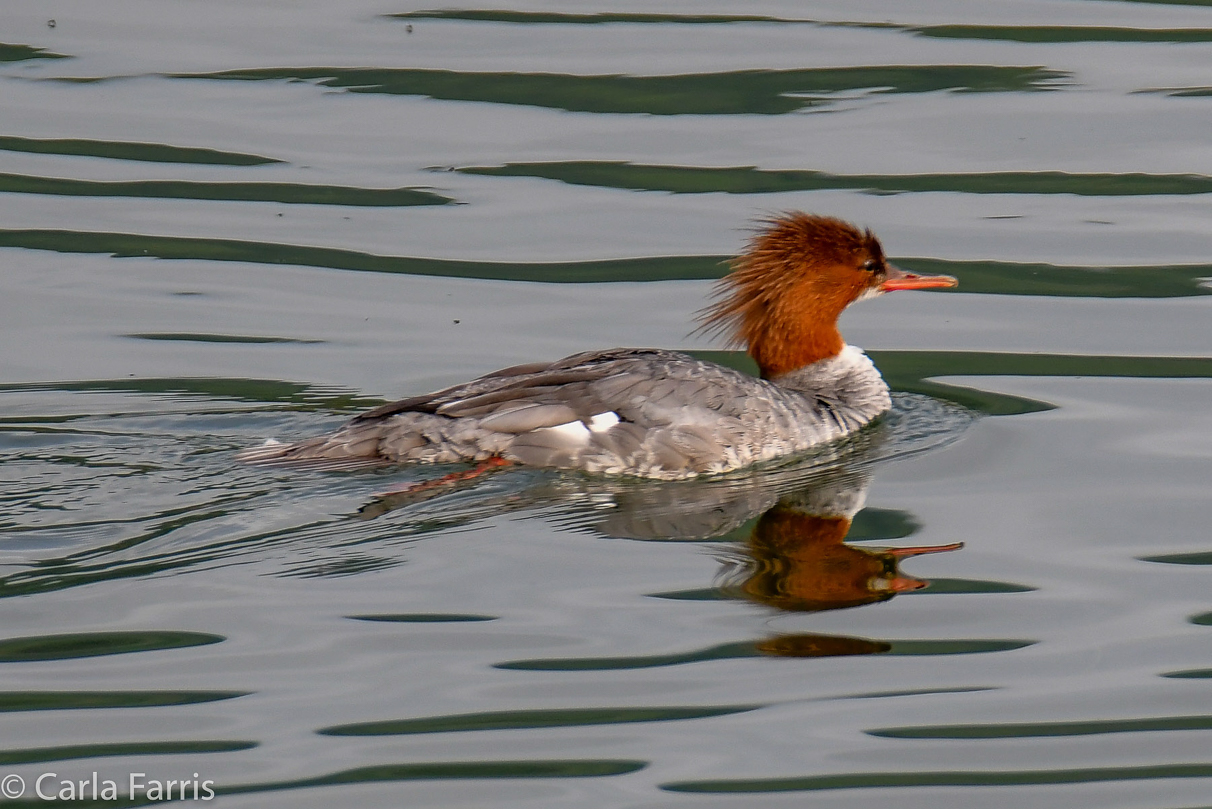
(338, 452)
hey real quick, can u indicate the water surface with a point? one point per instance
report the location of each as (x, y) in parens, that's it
(222, 224)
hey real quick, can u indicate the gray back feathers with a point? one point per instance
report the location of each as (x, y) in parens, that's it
(644, 412)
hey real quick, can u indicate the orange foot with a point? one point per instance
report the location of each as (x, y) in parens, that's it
(454, 478)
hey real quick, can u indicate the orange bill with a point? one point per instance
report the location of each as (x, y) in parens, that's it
(902, 279)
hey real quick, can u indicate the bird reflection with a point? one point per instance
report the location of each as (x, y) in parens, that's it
(784, 528)
(796, 558)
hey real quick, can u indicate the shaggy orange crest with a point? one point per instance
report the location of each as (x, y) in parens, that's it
(786, 291)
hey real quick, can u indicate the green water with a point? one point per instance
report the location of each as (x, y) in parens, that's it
(228, 223)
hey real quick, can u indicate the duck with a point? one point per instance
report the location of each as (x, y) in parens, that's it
(656, 413)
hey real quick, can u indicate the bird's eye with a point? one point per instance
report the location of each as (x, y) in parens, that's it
(872, 266)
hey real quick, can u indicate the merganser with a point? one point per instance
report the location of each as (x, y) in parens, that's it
(661, 414)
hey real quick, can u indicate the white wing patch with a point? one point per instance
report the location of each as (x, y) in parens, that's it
(603, 421)
(573, 431)
(578, 432)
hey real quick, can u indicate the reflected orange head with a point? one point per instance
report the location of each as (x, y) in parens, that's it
(801, 563)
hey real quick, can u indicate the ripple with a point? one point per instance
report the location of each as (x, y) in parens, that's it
(1181, 92)
(96, 644)
(189, 337)
(721, 652)
(1061, 33)
(286, 193)
(1171, 2)
(126, 150)
(21, 53)
(11, 701)
(452, 770)
(1189, 674)
(73, 477)
(802, 645)
(549, 18)
(968, 778)
(697, 594)
(530, 720)
(1198, 558)
(917, 692)
(745, 92)
(122, 245)
(36, 755)
(1035, 729)
(423, 618)
(259, 391)
(752, 180)
(1012, 33)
